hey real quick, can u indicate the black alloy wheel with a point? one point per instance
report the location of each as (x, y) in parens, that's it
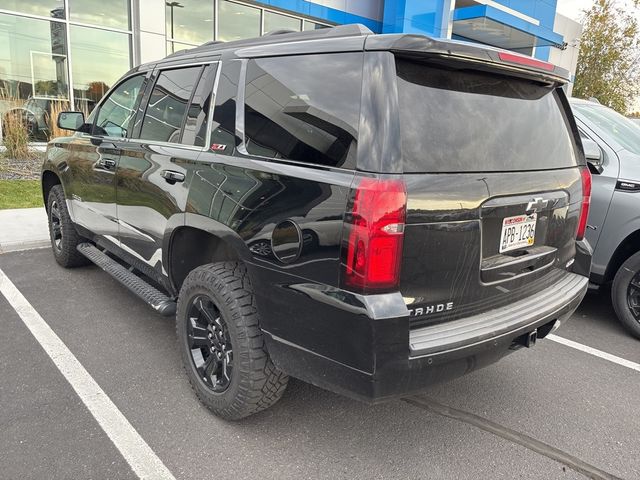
(63, 233)
(625, 294)
(209, 343)
(56, 225)
(222, 346)
(633, 296)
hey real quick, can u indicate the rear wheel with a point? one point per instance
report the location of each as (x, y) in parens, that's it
(625, 294)
(62, 231)
(222, 345)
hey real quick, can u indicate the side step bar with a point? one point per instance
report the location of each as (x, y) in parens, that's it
(151, 295)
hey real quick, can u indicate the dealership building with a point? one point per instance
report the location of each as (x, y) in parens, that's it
(76, 49)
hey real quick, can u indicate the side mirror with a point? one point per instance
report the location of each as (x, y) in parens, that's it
(71, 120)
(593, 154)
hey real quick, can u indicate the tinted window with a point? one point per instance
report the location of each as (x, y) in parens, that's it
(455, 120)
(195, 125)
(293, 112)
(118, 109)
(168, 104)
(223, 130)
(609, 122)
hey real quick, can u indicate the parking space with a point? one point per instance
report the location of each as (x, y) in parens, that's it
(546, 412)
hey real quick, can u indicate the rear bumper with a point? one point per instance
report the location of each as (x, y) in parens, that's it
(522, 316)
(390, 360)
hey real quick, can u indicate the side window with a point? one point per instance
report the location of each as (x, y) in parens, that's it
(292, 112)
(168, 104)
(117, 111)
(584, 136)
(195, 125)
(223, 138)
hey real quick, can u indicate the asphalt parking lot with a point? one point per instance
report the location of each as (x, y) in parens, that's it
(548, 412)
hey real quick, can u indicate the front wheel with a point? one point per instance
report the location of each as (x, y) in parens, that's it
(625, 294)
(222, 345)
(62, 231)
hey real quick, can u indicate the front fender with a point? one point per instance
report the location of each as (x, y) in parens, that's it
(623, 219)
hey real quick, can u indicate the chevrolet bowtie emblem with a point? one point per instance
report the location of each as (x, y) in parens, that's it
(538, 203)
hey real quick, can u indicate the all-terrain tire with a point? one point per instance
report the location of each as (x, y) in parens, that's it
(62, 231)
(255, 382)
(628, 272)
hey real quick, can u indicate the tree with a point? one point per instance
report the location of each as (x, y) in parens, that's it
(609, 59)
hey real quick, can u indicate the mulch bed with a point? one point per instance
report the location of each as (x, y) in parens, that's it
(11, 169)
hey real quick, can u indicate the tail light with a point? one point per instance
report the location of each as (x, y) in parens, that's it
(526, 61)
(586, 202)
(373, 233)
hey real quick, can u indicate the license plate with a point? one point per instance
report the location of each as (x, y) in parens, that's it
(518, 232)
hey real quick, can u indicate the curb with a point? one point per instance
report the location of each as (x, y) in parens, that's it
(23, 246)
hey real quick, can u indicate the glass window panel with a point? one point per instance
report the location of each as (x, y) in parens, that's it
(313, 26)
(303, 117)
(223, 138)
(275, 21)
(195, 125)
(112, 13)
(33, 58)
(190, 20)
(117, 111)
(168, 104)
(46, 8)
(237, 21)
(100, 58)
(444, 111)
(173, 47)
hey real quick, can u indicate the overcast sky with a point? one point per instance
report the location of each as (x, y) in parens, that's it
(575, 8)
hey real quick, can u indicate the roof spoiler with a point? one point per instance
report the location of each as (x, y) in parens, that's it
(497, 59)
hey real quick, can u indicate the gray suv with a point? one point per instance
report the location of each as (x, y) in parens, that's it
(612, 147)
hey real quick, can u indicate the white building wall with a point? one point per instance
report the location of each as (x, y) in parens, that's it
(568, 58)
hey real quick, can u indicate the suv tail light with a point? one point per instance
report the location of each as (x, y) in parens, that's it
(373, 235)
(526, 61)
(586, 202)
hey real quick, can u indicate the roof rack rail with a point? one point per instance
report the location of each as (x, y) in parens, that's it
(280, 32)
(212, 42)
(352, 30)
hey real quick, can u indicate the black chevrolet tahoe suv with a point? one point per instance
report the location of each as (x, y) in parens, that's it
(367, 213)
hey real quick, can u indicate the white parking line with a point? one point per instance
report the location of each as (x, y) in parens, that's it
(595, 352)
(144, 462)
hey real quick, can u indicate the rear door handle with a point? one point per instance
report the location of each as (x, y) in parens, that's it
(171, 176)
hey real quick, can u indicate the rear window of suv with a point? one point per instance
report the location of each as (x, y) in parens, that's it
(470, 121)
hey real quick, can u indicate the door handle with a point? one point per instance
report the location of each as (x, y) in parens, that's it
(107, 163)
(171, 176)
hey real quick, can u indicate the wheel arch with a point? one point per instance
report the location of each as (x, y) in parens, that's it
(629, 246)
(199, 241)
(48, 181)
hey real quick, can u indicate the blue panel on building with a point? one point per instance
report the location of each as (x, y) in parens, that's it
(435, 17)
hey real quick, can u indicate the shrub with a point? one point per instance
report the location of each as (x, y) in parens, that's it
(15, 135)
(57, 106)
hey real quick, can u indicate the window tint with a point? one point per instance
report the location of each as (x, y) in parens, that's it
(118, 110)
(195, 126)
(168, 104)
(610, 123)
(461, 120)
(223, 130)
(293, 112)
